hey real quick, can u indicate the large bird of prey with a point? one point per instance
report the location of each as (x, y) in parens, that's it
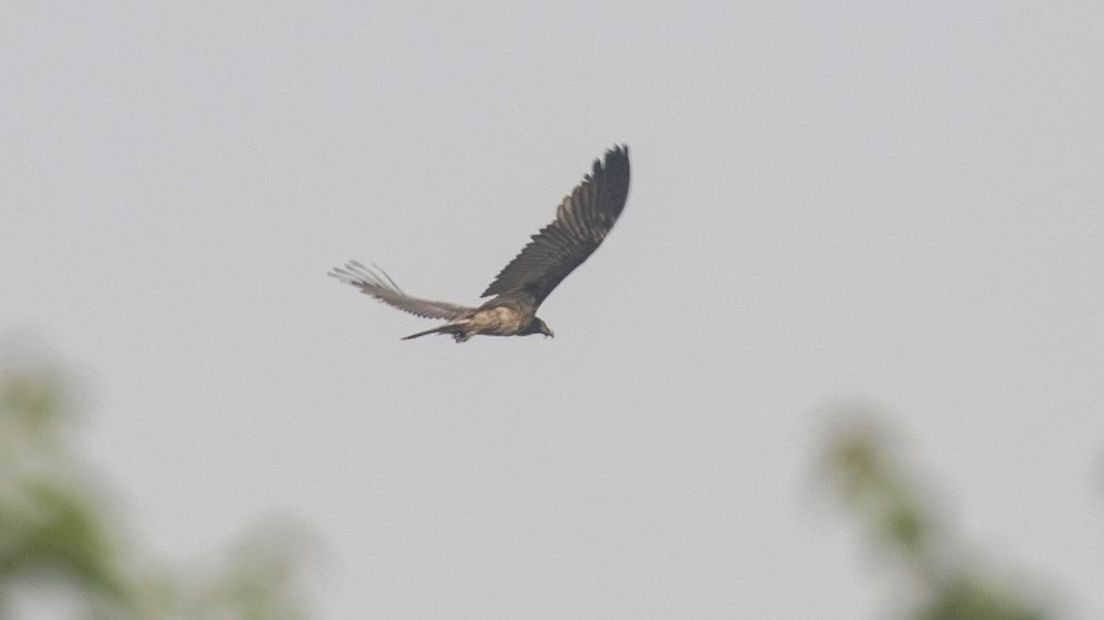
(583, 220)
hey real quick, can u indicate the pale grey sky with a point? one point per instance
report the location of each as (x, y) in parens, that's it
(887, 201)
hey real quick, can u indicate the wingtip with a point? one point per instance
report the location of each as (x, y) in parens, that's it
(616, 156)
(615, 163)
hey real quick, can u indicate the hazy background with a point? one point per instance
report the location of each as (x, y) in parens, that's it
(883, 201)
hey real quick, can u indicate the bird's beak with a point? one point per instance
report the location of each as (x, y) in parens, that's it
(550, 334)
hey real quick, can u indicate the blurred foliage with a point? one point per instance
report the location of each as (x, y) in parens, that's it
(902, 520)
(56, 529)
(57, 533)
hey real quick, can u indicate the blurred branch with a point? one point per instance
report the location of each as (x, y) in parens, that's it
(55, 529)
(861, 461)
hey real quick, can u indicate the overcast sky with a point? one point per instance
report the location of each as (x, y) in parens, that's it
(889, 202)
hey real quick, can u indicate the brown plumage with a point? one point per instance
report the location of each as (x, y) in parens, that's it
(583, 220)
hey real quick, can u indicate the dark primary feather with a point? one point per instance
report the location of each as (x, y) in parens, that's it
(582, 221)
(378, 284)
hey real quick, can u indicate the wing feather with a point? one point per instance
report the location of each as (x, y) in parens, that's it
(378, 284)
(583, 219)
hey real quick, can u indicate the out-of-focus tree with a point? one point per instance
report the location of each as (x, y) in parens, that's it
(57, 532)
(863, 466)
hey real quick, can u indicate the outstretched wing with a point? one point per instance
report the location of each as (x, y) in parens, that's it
(378, 284)
(582, 221)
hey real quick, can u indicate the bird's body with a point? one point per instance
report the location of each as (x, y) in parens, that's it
(505, 315)
(582, 221)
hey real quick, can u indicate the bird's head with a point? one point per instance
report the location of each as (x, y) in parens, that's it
(538, 326)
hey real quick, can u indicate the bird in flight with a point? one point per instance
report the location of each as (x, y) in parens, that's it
(583, 219)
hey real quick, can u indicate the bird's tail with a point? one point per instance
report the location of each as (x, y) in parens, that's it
(456, 329)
